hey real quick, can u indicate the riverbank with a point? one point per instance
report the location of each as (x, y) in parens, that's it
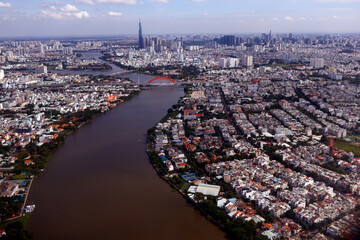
(160, 172)
(186, 197)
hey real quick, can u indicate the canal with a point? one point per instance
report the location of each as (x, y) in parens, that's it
(100, 184)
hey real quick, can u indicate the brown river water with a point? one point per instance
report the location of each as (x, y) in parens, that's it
(100, 184)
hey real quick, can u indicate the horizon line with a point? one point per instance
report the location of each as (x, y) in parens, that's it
(3, 38)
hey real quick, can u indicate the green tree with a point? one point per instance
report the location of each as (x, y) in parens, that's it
(15, 231)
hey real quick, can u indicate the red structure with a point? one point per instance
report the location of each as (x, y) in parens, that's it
(161, 78)
(330, 141)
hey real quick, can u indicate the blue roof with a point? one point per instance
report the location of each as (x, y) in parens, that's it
(23, 183)
(189, 177)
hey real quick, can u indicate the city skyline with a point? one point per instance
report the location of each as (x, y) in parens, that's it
(98, 17)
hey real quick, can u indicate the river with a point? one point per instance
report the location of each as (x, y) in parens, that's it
(100, 184)
(89, 55)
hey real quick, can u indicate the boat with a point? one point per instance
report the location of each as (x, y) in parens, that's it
(30, 208)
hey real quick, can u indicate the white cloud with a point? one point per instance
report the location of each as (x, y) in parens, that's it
(65, 13)
(288, 18)
(51, 14)
(125, 2)
(275, 19)
(85, 2)
(5, 5)
(69, 8)
(81, 15)
(302, 18)
(336, 17)
(160, 1)
(115, 14)
(206, 14)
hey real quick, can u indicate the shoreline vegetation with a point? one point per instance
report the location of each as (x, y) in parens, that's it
(11, 218)
(100, 67)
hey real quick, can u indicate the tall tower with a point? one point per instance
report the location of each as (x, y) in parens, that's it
(141, 39)
(270, 36)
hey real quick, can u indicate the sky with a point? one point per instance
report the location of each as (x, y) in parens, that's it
(117, 17)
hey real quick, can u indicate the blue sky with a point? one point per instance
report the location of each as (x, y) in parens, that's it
(112, 17)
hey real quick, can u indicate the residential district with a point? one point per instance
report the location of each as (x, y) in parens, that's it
(265, 142)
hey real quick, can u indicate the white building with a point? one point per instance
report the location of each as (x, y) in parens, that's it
(68, 50)
(233, 62)
(207, 189)
(247, 61)
(10, 56)
(228, 62)
(317, 63)
(41, 69)
(2, 74)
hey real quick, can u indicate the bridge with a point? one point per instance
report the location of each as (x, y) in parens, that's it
(171, 82)
(153, 82)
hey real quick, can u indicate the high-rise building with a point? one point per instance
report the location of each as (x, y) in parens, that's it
(228, 62)
(131, 55)
(317, 63)
(41, 48)
(10, 56)
(247, 61)
(270, 36)
(41, 69)
(238, 41)
(68, 50)
(141, 39)
(228, 40)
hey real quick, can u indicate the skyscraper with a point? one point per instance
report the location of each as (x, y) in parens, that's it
(228, 40)
(270, 36)
(141, 39)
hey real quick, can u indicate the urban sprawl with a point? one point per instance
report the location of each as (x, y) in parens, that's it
(265, 142)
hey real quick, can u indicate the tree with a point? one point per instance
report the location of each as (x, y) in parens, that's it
(15, 231)
(199, 196)
(290, 214)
